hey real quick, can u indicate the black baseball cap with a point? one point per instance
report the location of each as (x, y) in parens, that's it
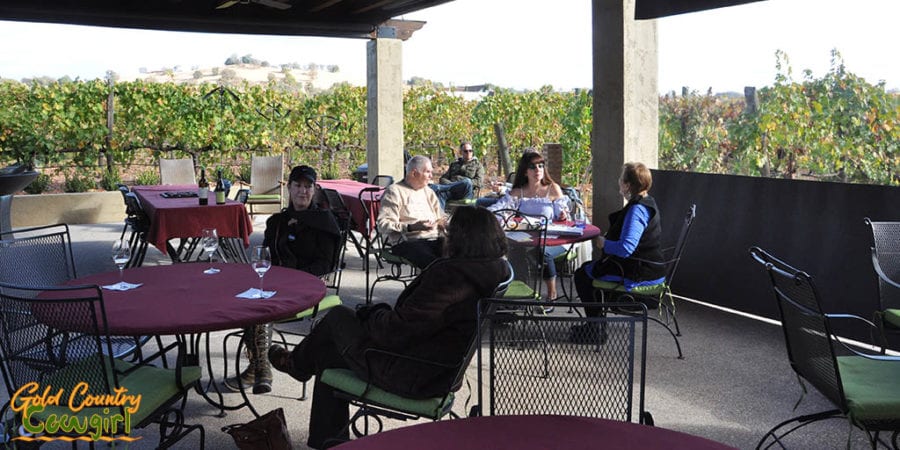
(303, 172)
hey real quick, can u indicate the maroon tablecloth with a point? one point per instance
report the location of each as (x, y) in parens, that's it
(531, 432)
(185, 218)
(349, 190)
(590, 232)
(181, 299)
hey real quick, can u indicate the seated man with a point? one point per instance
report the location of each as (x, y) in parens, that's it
(411, 218)
(464, 177)
(434, 318)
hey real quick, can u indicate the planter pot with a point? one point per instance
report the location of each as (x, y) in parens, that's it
(75, 208)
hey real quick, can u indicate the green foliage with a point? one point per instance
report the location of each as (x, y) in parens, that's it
(78, 183)
(109, 180)
(39, 185)
(147, 177)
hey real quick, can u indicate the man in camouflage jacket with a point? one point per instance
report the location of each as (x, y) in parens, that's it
(464, 177)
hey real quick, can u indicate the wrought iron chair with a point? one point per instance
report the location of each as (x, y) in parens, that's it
(862, 387)
(886, 262)
(139, 223)
(383, 180)
(527, 238)
(388, 267)
(600, 374)
(658, 295)
(177, 171)
(266, 182)
(43, 256)
(374, 402)
(333, 200)
(56, 337)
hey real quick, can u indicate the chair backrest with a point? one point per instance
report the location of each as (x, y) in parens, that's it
(383, 180)
(807, 333)
(678, 250)
(39, 256)
(527, 238)
(266, 175)
(332, 279)
(53, 336)
(370, 199)
(886, 258)
(577, 211)
(335, 202)
(177, 171)
(533, 367)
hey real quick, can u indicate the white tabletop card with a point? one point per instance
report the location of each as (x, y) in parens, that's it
(563, 230)
(255, 293)
(122, 286)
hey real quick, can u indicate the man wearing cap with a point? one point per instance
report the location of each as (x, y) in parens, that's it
(464, 177)
(303, 237)
(411, 219)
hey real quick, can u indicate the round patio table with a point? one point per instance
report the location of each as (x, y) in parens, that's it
(531, 432)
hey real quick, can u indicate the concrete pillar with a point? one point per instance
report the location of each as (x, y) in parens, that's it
(626, 101)
(384, 108)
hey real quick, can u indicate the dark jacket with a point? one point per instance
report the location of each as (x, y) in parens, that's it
(471, 169)
(635, 267)
(305, 240)
(434, 319)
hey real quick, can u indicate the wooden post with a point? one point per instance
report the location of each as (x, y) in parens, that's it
(504, 165)
(751, 99)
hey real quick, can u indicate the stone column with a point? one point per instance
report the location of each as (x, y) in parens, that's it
(384, 108)
(626, 101)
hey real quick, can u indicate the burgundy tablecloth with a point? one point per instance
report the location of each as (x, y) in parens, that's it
(531, 432)
(349, 190)
(181, 299)
(185, 218)
(590, 232)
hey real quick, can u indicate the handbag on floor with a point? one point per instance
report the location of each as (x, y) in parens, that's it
(267, 432)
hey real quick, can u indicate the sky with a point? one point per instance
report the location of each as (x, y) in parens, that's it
(521, 44)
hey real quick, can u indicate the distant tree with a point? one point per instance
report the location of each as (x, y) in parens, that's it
(142, 70)
(264, 64)
(229, 74)
(64, 79)
(333, 68)
(271, 76)
(198, 74)
(249, 59)
(232, 60)
(111, 76)
(215, 71)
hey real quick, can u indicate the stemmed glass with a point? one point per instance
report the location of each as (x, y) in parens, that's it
(261, 262)
(121, 253)
(210, 242)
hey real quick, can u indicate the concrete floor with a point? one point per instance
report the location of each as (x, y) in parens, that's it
(733, 385)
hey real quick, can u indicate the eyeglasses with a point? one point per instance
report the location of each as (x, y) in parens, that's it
(469, 151)
(536, 166)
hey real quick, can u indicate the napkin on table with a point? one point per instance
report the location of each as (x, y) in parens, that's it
(122, 286)
(255, 293)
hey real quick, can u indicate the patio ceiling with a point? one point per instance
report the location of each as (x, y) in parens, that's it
(329, 18)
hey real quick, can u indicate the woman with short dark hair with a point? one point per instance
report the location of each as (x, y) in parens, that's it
(434, 319)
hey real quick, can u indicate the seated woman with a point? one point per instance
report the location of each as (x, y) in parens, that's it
(303, 237)
(535, 193)
(434, 318)
(633, 238)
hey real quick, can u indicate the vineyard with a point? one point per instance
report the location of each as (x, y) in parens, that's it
(96, 133)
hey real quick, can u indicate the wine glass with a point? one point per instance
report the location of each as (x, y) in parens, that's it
(210, 242)
(261, 262)
(121, 253)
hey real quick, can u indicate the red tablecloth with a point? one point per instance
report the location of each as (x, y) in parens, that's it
(531, 432)
(349, 190)
(181, 299)
(185, 218)
(590, 232)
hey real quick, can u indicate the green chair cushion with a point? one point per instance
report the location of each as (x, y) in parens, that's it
(892, 317)
(263, 198)
(870, 388)
(347, 381)
(330, 301)
(462, 202)
(155, 385)
(650, 290)
(567, 256)
(518, 289)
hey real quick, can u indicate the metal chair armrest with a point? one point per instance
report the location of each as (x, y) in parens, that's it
(883, 276)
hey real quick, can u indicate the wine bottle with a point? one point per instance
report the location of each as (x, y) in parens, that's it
(220, 189)
(203, 188)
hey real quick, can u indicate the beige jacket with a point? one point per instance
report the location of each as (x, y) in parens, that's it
(402, 205)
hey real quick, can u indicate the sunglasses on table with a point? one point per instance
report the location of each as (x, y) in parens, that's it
(536, 166)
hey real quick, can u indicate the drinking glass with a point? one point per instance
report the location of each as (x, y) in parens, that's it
(261, 262)
(121, 253)
(209, 239)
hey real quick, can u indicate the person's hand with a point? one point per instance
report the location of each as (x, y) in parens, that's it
(563, 215)
(599, 241)
(422, 225)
